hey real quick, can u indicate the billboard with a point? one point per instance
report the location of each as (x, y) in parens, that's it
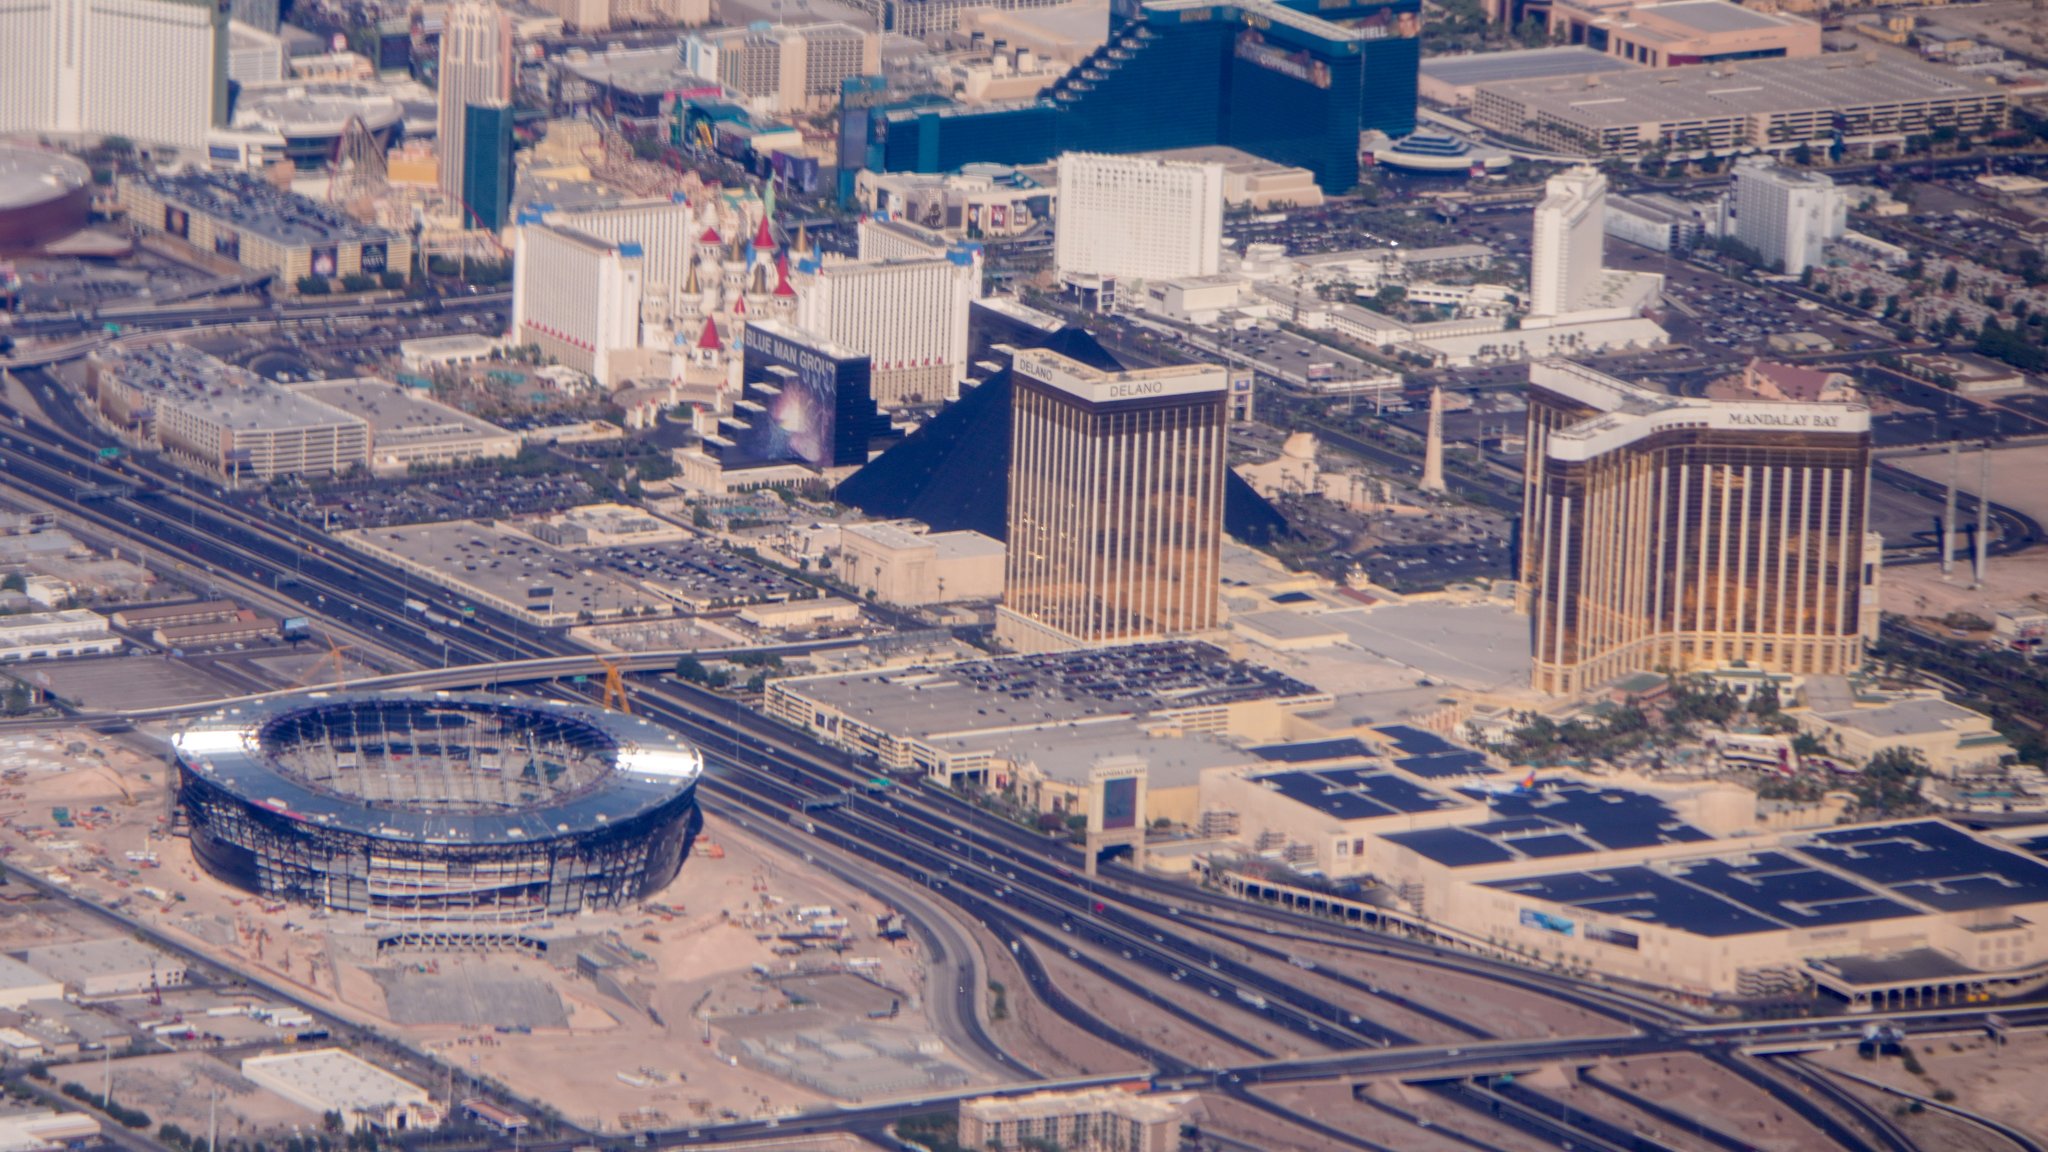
(1301, 66)
(228, 244)
(1544, 921)
(177, 221)
(1614, 936)
(376, 255)
(998, 217)
(799, 422)
(326, 262)
(1119, 803)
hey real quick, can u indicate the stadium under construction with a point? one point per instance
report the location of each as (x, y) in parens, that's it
(456, 806)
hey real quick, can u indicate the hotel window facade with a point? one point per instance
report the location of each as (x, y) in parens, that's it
(1667, 534)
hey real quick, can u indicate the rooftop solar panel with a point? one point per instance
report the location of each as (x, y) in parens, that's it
(1933, 863)
(1452, 847)
(1417, 741)
(1641, 894)
(1439, 765)
(1308, 751)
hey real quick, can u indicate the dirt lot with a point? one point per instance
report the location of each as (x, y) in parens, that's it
(1693, 1087)
(626, 1052)
(1036, 1036)
(2002, 1083)
(177, 1088)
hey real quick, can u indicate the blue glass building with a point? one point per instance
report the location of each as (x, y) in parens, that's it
(1286, 81)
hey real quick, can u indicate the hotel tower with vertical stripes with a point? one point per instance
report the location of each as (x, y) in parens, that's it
(1116, 503)
(1666, 533)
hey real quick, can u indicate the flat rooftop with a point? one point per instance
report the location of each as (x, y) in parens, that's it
(1715, 16)
(223, 393)
(1919, 717)
(1477, 646)
(1522, 64)
(1812, 880)
(642, 71)
(252, 205)
(1554, 818)
(508, 566)
(1066, 753)
(400, 416)
(113, 956)
(344, 1081)
(1932, 863)
(298, 109)
(700, 572)
(1019, 692)
(1753, 88)
(1358, 792)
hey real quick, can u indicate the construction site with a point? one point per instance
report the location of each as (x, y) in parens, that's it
(742, 990)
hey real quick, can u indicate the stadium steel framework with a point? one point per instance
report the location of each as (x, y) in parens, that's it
(453, 806)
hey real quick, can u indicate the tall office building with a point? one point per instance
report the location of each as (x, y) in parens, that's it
(909, 317)
(154, 71)
(1569, 242)
(476, 68)
(1787, 216)
(487, 164)
(1137, 218)
(1116, 503)
(1290, 85)
(1676, 533)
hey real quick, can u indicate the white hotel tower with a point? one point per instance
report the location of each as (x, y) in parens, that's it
(154, 71)
(1134, 218)
(1569, 243)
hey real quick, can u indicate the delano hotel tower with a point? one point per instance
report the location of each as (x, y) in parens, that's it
(1116, 503)
(1672, 533)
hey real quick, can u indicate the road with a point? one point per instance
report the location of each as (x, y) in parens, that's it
(1025, 888)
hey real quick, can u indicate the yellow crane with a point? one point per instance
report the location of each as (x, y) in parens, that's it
(615, 687)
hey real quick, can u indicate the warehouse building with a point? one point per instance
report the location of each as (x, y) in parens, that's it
(330, 1080)
(20, 984)
(117, 966)
(1720, 109)
(53, 635)
(244, 219)
(175, 615)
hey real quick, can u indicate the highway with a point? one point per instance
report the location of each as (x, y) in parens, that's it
(1024, 887)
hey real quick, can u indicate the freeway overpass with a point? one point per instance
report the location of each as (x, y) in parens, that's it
(486, 675)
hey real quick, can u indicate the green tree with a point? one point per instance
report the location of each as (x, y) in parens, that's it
(1891, 781)
(314, 286)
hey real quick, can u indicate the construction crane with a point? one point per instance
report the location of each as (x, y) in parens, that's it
(615, 687)
(331, 658)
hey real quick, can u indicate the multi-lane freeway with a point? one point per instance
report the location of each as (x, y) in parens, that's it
(1147, 938)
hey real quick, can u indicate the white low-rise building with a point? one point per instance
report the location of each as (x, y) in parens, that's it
(50, 635)
(117, 966)
(330, 1080)
(896, 564)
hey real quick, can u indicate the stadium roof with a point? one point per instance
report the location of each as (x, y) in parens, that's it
(649, 768)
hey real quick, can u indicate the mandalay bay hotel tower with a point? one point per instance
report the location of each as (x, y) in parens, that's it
(1674, 534)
